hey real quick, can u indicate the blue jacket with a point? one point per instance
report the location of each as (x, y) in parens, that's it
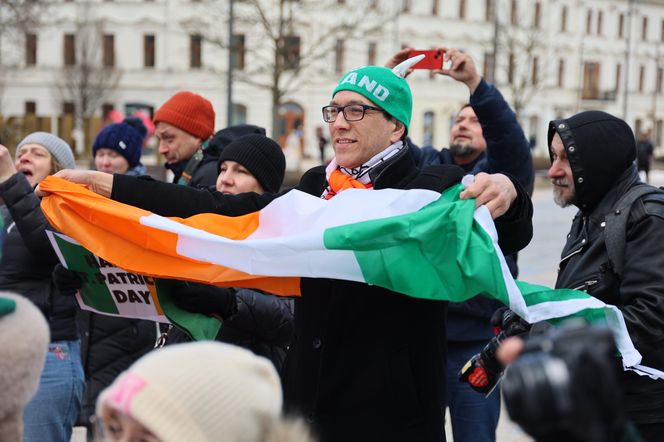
(508, 152)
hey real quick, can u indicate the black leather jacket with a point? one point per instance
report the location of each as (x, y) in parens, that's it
(639, 296)
(601, 152)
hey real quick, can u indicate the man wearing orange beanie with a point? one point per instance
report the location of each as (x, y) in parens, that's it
(184, 124)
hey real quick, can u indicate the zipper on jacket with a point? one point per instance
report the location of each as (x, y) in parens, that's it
(586, 285)
(578, 250)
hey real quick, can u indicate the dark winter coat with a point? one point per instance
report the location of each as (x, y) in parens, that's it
(601, 150)
(205, 174)
(109, 345)
(261, 323)
(27, 258)
(365, 363)
(507, 152)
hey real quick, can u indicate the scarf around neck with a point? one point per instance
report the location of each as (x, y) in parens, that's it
(340, 178)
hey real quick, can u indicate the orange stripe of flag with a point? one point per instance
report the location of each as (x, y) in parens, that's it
(112, 230)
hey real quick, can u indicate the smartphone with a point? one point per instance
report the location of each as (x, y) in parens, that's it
(433, 59)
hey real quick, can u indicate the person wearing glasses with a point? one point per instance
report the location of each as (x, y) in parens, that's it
(365, 363)
(485, 137)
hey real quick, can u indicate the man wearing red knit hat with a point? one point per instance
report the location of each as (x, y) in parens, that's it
(184, 124)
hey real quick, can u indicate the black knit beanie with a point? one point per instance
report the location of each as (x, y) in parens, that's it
(228, 134)
(261, 155)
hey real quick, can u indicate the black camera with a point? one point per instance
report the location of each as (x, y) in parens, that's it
(565, 386)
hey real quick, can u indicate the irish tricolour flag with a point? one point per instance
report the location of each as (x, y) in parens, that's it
(415, 242)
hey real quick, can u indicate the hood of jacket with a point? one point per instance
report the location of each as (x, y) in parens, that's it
(600, 147)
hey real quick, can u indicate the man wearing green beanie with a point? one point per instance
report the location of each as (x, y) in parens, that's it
(365, 363)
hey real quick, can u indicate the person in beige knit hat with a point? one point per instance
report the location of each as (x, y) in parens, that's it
(24, 336)
(197, 392)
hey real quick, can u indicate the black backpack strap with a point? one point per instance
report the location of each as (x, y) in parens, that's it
(615, 235)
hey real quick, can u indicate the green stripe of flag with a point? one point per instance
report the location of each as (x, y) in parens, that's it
(417, 255)
(94, 293)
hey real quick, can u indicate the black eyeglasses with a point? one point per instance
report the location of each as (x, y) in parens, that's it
(352, 112)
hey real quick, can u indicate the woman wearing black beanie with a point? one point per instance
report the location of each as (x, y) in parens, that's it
(258, 155)
(257, 321)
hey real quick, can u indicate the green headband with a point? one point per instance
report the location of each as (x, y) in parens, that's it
(382, 87)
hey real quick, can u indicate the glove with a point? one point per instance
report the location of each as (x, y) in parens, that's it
(206, 299)
(65, 280)
(506, 321)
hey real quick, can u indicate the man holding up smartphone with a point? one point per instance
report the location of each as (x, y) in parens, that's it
(485, 137)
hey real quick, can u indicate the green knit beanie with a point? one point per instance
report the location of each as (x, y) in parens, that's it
(383, 87)
(7, 306)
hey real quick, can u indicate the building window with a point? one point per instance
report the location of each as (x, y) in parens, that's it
(642, 77)
(69, 50)
(427, 128)
(514, 12)
(563, 19)
(239, 115)
(290, 51)
(600, 22)
(30, 108)
(589, 21)
(109, 51)
(561, 72)
(658, 132)
(644, 29)
(195, 51)
(238, 48)
(590, 81)
(536, 15)
(532, 131)
(621, 25)
(30, 49)
(406, 6)
(661, 32)
(462, 9)
(148, 51)
(106, 109)
(488, 10)
(618, 76)
(658, 85)
(434, 7)
(339, 56)
(535, 72)
(488, 67)
(371, 54)
(67, 108)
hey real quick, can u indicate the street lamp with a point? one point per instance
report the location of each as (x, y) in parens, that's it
(229, 85)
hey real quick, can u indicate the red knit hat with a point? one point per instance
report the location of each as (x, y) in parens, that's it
(189, 112)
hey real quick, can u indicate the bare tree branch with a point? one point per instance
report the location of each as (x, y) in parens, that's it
(279, 68)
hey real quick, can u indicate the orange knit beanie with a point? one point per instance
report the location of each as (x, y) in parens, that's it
(189, 112)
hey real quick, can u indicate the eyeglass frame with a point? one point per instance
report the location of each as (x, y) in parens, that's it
(342, 109)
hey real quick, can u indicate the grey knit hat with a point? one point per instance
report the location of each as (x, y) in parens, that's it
(56, 146)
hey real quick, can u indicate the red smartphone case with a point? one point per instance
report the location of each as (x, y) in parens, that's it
(433, 59)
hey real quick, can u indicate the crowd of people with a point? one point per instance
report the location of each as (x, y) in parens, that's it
(346, 360)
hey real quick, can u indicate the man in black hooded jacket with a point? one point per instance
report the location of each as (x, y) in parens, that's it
(592, 166)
